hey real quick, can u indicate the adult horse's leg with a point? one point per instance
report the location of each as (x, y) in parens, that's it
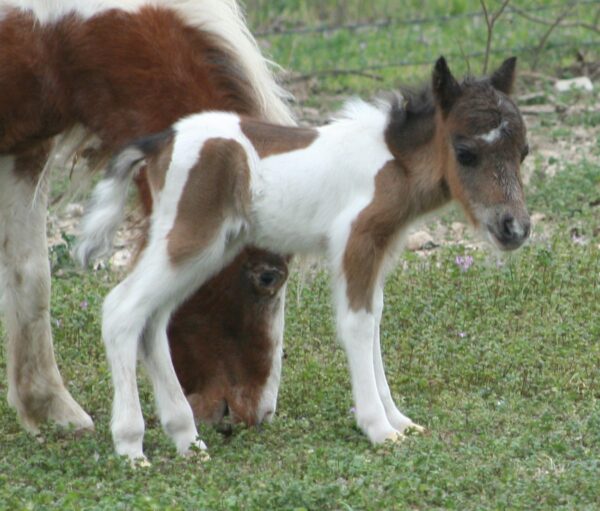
(35, 387)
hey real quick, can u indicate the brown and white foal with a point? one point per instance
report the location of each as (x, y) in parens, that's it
(348, 189)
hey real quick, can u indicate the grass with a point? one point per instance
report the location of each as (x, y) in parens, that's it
(499, 362)
(404, 51)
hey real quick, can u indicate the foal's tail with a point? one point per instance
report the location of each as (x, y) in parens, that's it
(106, 208)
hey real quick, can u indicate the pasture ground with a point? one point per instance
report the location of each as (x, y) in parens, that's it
(500, 362)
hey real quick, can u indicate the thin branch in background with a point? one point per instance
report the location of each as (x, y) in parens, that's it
(546, 35)
(490, 21)
(464, 55)
(595, 26)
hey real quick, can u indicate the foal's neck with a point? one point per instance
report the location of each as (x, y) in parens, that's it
(418, 143)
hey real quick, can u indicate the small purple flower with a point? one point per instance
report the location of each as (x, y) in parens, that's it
(462, 335)
(464, 262)
(84, 305)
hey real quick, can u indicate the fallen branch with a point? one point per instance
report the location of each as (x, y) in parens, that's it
(331, 72)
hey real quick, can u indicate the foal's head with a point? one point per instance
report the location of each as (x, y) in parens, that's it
(485, 136)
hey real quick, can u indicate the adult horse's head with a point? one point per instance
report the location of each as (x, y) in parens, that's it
(487, 144)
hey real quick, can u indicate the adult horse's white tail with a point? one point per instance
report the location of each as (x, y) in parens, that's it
(106, 208)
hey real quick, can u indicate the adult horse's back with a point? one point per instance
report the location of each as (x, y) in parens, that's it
(115, 70)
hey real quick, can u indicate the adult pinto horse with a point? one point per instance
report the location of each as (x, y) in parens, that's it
(114, 70)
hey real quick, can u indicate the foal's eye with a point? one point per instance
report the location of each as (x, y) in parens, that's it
(524, 152)
(466, 157)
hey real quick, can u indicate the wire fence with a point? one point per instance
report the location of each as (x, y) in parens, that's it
(549, 23)
(278, 30)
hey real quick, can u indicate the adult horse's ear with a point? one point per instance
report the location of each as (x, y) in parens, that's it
(445, 88)
(503, 78)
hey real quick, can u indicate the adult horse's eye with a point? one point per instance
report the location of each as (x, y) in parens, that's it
(524, 152)
(268, 278)
(466, 157)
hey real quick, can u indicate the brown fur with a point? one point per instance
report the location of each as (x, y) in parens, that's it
(224, 355)
(269, 139)
(157, 166)
(425, 133)
(30, 163)
(398, 198)
(218, 184)
(105, 72)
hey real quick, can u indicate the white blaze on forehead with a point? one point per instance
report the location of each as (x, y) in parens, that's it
(493, 135)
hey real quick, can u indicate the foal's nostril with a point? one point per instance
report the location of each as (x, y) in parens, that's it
(508, 226)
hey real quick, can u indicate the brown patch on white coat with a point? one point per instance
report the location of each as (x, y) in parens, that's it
(218, 186)
(269, 139)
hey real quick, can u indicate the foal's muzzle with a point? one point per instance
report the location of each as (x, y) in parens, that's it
(508, 232)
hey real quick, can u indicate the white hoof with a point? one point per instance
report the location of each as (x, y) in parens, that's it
(141, 462)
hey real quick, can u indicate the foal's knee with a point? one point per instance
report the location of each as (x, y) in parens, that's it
(120, 318)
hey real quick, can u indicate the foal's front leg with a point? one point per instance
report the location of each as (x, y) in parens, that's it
(355, 330)
(397, 419)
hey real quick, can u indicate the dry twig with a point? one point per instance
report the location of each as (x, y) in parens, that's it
(490, 21)
(544, 39)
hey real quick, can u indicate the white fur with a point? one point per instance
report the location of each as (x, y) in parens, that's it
(303, 201)
(268, 400)
(493, 135)
(99, 225)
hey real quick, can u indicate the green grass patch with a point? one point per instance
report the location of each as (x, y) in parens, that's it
(411, 38)
(499, 362)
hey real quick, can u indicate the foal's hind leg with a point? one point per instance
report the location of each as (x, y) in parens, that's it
(35, 388)
(135, 317)
(173, 408)
(175, 413)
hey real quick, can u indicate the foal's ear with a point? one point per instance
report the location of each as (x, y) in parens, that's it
(503, 78)
(445, 88)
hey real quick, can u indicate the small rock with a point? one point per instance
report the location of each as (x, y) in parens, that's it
(579, 83)
(121, 259)
(418, 240)
(74, 210)
(536, 218)
(458, 229)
